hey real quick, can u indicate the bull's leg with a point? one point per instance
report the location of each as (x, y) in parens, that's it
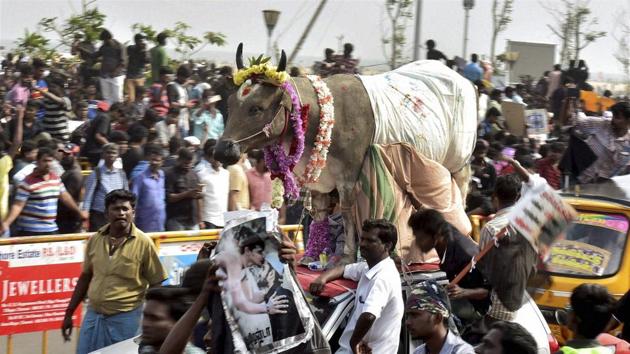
(462, 179)
(347, 200)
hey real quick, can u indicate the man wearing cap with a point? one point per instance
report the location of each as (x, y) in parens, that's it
(137, 58)
(427, 311)
(207, 120)
(97, 133)
(378, 309)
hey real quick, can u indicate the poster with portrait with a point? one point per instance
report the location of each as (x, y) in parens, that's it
(263, 303)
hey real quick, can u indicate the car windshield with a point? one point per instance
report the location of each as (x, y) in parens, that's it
(593, 246)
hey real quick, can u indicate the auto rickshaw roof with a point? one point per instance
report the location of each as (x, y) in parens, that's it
(615, 190)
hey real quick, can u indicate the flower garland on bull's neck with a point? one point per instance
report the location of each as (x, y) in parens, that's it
(279, 163)
(319, 153)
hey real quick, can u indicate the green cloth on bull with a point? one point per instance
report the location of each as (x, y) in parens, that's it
(396, 180)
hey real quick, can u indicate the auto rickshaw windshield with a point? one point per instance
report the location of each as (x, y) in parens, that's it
(593, 247)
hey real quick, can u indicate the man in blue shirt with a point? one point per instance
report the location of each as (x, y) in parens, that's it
(148, 187)
(473, 71)
(103, 180)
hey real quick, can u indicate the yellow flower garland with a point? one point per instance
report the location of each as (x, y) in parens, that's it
(267, 70)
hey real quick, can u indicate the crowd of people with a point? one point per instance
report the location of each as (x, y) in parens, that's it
(157, 140)
(144, 134)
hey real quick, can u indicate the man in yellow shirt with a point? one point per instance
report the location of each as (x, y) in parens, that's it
(238, 198)
(8, 151)
(121, 262)
(6, 164)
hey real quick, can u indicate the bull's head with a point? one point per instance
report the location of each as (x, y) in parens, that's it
(257, 115)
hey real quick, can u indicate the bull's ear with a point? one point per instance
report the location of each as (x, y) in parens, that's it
(239, 56)
(282, 66)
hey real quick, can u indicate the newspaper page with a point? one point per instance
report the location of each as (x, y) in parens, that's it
(262, 300)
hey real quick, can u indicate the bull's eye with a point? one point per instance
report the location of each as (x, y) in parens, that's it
(255, 110)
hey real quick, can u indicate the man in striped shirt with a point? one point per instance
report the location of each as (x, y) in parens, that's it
(57, 106)
(35, 205)
(610, 141)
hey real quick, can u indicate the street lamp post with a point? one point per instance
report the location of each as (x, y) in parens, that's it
(271, 19)
(468, 5)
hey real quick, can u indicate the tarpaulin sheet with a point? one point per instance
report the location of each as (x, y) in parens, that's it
(427, 105)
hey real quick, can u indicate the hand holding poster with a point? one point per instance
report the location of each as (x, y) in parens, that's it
(261, 299)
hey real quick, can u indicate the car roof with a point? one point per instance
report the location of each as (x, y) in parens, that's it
(615, 190)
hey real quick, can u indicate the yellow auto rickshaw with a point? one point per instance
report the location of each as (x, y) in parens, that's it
(594, 249)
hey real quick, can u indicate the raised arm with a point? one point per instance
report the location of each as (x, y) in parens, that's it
(177, 338)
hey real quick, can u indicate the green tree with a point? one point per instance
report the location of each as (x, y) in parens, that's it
(398, 13)
(621, 34)
(86, 25)
(186, 45)
(33, 44)
(574, 27)
(501, 18)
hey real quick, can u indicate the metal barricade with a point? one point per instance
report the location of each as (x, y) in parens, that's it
(293, 231)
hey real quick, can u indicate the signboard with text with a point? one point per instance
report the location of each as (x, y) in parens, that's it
(177, 257)
(36, 283)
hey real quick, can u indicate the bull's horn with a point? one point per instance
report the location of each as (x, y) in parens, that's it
(239, 56)
(283, 62)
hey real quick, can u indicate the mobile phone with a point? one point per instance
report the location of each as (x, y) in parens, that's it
(509, 152)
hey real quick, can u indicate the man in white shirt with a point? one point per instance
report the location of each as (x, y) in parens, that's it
(216, 181)
(378, 311)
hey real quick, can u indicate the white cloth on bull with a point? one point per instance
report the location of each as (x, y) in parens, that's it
(427, 105)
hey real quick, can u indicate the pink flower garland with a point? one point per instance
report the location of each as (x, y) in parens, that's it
(279, 163)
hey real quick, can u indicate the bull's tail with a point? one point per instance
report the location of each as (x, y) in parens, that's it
(462, 179)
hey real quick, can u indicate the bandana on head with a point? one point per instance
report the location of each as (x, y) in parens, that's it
(429, 296)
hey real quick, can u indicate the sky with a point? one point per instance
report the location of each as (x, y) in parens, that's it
(361, 22)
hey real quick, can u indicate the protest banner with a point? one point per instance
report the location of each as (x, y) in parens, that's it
(263, 304)
(514, 114)
(36, 284)
(537, 122)
(540, 215)
(177, 257)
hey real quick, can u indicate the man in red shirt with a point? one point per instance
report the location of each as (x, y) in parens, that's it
(548, 167)
(259, 180)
